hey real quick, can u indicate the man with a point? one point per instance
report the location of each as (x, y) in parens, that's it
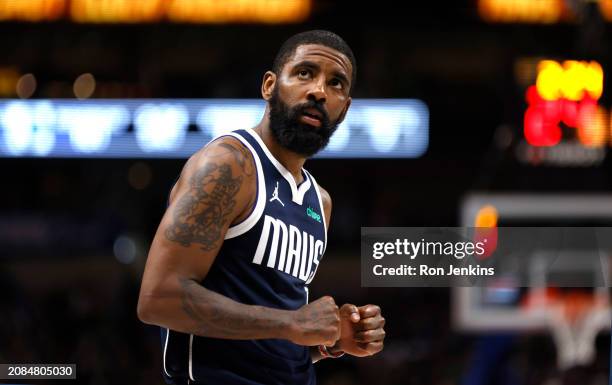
(244, 232)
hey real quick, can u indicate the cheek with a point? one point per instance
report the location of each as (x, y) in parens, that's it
(337, 111)
(291, 92)
(289, 96)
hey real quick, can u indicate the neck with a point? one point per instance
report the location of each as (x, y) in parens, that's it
(292, 161)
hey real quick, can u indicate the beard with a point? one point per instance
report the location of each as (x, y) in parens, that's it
(295, 135)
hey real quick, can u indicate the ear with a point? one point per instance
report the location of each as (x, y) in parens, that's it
(345, 110)
(268, 84)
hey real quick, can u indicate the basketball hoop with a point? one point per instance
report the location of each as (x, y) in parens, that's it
(575, 320)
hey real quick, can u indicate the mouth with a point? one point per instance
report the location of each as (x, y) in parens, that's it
(313, 112)
(312, 116)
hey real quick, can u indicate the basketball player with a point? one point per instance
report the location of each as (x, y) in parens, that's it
(244, 233)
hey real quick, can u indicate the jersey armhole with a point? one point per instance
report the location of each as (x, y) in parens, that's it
(260, 202)
(316, 186)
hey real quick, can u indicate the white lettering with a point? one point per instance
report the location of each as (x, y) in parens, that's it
(307, 266)
(295, 241)
(318, 252)
(296, 252)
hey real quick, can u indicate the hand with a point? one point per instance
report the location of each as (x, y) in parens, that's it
(361, 330)
(316, 323)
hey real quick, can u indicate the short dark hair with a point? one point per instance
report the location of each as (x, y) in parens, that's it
(318, 36)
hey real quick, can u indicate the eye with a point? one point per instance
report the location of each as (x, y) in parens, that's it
(304, 74)
(336, 83)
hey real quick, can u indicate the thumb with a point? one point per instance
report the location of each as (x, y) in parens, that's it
(351, 312)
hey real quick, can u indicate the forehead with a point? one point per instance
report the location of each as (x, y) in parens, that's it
(321, 54)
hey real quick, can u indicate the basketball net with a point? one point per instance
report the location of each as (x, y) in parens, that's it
(575, 320)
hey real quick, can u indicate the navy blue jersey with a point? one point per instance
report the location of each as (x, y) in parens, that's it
(268, 259)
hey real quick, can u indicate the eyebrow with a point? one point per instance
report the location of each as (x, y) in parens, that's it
(315, 66)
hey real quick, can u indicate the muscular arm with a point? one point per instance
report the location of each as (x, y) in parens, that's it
(216, 188)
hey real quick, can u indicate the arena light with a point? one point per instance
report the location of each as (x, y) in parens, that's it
(570, 81)
(486, 217)
(147, 11)
(116, 11)
(251, 11)
(566, 93)
(521, 11)
(373, 128)
(32, 10)
(161, 127)
(606, 9)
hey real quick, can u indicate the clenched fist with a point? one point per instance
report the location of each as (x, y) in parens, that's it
(316, 323)
(362, 330)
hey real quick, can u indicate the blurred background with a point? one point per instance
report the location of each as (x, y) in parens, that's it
(471, 99)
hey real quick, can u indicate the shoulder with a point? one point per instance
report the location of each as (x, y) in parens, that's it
(325, 197)
(227, 155)
(228, 150)
(224, 162)
(326, 200)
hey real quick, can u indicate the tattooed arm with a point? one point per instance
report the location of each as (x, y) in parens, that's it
(216, 189)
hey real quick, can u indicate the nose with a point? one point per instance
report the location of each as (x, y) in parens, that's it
(317, 91)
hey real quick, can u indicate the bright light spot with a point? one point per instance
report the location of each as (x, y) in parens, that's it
(486, 217)
(18, 130)
(341, 137)
(384, 127)
(221, 119)
(44, 121)
(117, 11)
(593, 80)
(525, 11)
(570, 81)
(228, 11)
(125, 249)
(550, 76)
(90, 128)
(592, 130)
(44, 140)
(26, 86)
(539, 129)
(573, 80)
(161, 127)
(44, 115)
(84, 86)
(32, 10)
(411, 121)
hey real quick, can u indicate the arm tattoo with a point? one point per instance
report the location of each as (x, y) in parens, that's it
(201, 213)
(220, 317)
(242, 156)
